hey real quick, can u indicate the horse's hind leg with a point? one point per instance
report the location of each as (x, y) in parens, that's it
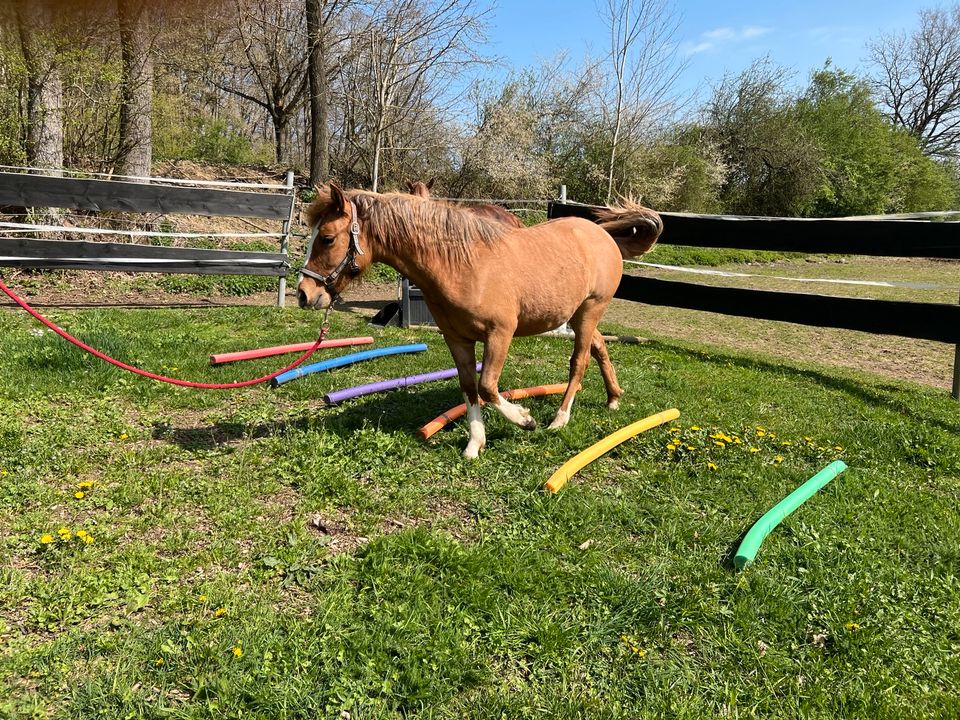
(494, 356)
(598, 348)
(465, 359)
(584, 323)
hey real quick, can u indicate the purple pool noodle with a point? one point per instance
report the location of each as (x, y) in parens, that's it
(383, 385)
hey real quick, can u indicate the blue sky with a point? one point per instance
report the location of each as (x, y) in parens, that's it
(715, 37)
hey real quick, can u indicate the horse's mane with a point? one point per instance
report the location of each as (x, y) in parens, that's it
(400, 221)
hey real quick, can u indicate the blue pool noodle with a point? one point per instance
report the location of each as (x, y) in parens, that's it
(346, 360)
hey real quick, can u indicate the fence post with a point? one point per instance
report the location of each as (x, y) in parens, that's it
(563, 193)
(956, 373)
(285, 240)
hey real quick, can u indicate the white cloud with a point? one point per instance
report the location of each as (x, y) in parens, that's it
(721, 36)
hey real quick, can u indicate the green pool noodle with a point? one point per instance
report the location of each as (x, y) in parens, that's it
(775, 515)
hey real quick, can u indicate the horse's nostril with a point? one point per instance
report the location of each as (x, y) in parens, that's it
(301, 298)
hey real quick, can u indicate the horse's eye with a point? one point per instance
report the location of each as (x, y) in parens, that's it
(327, 239)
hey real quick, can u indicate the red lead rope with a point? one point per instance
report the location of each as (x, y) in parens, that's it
(153, 376)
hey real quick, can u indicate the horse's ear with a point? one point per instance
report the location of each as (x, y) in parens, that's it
(430, 183)
(337, 199)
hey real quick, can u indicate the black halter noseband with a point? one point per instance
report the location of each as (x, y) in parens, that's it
(349, 261)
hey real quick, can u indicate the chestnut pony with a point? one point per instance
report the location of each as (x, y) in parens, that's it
(482, 281)
(487, 210)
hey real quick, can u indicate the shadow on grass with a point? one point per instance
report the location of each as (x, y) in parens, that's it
(881, 394)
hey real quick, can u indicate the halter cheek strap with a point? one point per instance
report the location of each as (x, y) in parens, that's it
(349, 261)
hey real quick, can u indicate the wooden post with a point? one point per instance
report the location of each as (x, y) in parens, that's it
(956, 373)
(285, 240)
(563, 193)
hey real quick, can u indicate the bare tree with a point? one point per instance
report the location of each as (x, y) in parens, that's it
(38, 29)
(321, 15)
(136, 107)
(918, 79)
(403, 67)
(645, 67)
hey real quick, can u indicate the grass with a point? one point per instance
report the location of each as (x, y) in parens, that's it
(257, 554)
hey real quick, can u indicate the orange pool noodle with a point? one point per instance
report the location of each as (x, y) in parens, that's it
(435, 425)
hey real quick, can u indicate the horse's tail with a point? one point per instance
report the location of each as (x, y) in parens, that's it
(634, 227)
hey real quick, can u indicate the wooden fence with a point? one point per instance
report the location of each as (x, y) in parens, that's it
(22, 248)
(876, 237)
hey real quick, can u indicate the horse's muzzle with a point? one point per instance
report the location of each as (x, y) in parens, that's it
(318, 300)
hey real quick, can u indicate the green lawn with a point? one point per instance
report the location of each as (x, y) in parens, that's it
(256, 554)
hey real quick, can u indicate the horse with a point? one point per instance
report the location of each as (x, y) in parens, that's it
(487, 210)
(482, 281)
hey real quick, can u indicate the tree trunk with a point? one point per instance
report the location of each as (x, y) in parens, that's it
(319, 94)
(44, 86)
(136, 109)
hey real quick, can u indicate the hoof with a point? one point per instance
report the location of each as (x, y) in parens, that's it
(560, 420)
(526, 420)
(472, 451)
(614, 404)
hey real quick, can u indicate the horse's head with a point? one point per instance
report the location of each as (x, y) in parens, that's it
(335, 254)
(420, 188)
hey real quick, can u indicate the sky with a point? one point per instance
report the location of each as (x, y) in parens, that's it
(715, 37)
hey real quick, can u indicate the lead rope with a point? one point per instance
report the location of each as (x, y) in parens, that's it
(162, 378)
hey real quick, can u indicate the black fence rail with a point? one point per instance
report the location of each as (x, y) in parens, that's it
(853, 236)
(20, 191)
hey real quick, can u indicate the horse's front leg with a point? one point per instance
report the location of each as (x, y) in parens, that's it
(494, 356)
(464, 356)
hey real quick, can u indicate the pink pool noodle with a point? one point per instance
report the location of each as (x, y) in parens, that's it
(383, 385)
(221, 358)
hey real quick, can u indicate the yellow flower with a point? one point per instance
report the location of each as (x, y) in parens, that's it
(754, 450)
(84, 485)
(82, 534)
(87, 539)
(838, 448)
(694, 427)
(712, 466)
(719, 443)
(691, 448)
(202, 598)
(237, 651)
(219, 612)
(158, 662)
(807, 439)
(4, 472)
(786, 442)
(671, 447)
(674, 429)
(852, 626)
(760, 428)
(79, 494)
(63, 531)
(761, 433)
(779, 458)
(46, 538)
(123, 436)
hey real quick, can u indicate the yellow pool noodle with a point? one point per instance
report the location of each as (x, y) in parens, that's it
(577, 462)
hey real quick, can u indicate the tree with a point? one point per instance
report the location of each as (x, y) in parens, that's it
(772, 161)
(400, 72)
(644, 65)
(918, 79)
(136, 106)
(38, 30)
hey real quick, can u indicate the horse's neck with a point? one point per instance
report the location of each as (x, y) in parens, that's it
(422, 271)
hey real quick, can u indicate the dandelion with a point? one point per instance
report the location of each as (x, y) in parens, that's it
(219, 612)
(761, 433)
(778, 458)
(838, 448)
(237, 651)
(202, 599)
(807, 439)
(695, 427)
(46, 539)
(691, 448)
(87, 539)
(760, 428)
(79, 494)
(852, 626)
(123, 436)
(158, 662)
(719, 443)
(3, 472)
(786, 443)
(85, 485)
(712, 466)
(64, 531)
(754, 449)
(674, 429)
(82, 534)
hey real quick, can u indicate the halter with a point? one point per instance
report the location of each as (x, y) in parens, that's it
(349, 261)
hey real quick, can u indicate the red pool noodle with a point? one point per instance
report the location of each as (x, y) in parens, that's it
(222, 358)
